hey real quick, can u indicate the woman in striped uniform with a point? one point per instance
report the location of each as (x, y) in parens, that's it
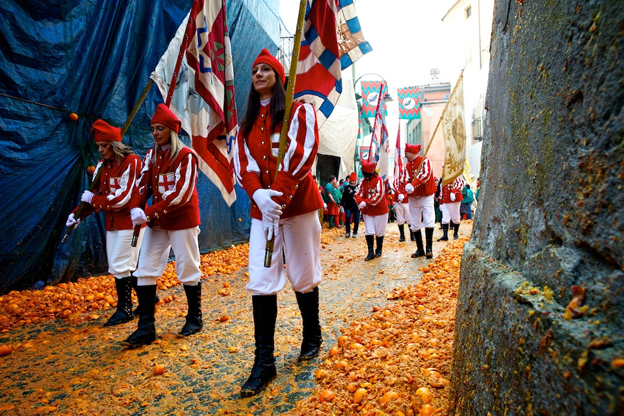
(169, 175)
(120, 169)
(284, 207)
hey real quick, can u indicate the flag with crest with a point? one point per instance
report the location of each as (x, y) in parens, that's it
(196, 78)
(409, 102)
(329, 34)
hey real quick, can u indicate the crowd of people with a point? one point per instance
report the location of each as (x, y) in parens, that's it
(415, 198)
(286, 200)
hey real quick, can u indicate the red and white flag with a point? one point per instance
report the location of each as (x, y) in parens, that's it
(196, 78)
(398, 161)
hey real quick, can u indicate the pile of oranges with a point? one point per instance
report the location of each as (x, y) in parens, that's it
(397, 360)
(83, 299)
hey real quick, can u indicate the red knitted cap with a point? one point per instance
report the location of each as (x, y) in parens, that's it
(104, 132)
(164, 116)
(368, 167)
(265, 57)
(412, 148)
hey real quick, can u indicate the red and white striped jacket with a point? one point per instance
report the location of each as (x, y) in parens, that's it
(372, 192)
(114, 191)
(255, 161)
(454, 187)
(399, 186)
(171, 183)
(422, 180)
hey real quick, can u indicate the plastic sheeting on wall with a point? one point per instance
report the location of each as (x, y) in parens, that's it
(94, 59)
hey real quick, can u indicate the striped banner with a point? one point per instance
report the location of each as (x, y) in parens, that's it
(409, 102)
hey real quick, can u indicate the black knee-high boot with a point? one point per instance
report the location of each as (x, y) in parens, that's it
(312, 338)
(412, 235)
(379, 246)
(455, 231)
(402, 233)
(419, 245)
(134, 286)
(123, 313)
(370, 242)
(429, 242)
(263, 370)
(194, 322)
(146, 330)
(445, 228)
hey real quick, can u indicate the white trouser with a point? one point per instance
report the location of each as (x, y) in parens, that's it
(375, 224)
(122, 257)
(402, 212)
(422, 212)
(155, 253)
(450, 212)
(300, 239)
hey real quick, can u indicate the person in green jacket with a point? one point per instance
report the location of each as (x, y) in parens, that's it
(466, 203)
(334, 196)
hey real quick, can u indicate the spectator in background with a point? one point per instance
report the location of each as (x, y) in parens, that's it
(333, 200)
(350, 206)
(322, 193)
(467, 199)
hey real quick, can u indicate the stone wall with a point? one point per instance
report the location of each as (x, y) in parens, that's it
(550, 219)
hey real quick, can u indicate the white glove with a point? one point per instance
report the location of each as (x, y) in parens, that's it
(138, 217)
(452, 197)
(269, 208)
(362, 205)
(401, 197)
(71, 221)
(87, 196)
(324, 205)
(409, 188)
(270, 227)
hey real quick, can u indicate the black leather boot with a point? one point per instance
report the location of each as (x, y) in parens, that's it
(455, 231)
(412, 235)
(146, 331)
(194, 322)
(429, 242)
(312, 338)
(370, 242)
(419, 245)
(134, 286)
(402, 233)
(379, 246)
(124, 312)
(263, 370)
(444, 237)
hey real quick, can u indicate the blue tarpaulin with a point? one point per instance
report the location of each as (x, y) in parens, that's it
(93, 59)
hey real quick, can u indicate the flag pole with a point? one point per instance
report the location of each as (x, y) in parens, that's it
(126, 125)
(290, 96)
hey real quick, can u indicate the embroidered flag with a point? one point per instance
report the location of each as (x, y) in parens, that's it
(454, 134)
(319, 71)
(371, 94)
(409, 102)
(196, 78)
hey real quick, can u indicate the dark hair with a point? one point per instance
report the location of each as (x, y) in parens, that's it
(467, 186)
(331, 178)
(278, 103)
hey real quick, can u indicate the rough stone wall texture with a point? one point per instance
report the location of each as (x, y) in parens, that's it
(551, 217)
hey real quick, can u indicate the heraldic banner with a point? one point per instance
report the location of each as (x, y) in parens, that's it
(454, 130)
(370, 95)
(409, 102)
